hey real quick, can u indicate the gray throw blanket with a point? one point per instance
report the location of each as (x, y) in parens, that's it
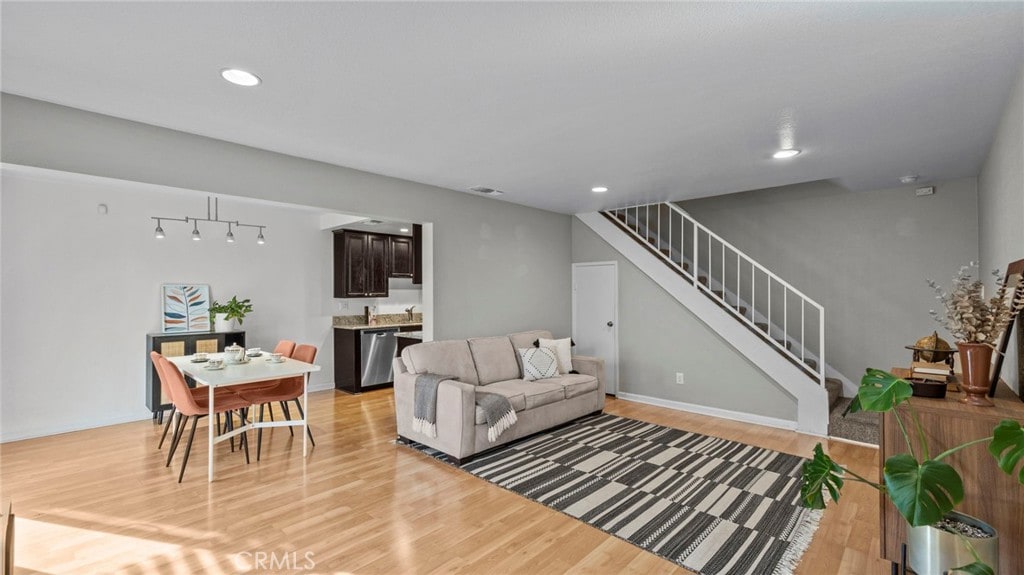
(497, 409)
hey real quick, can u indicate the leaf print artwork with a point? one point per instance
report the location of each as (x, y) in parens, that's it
(186, 308)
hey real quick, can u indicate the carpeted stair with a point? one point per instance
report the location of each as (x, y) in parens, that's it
(861, 426)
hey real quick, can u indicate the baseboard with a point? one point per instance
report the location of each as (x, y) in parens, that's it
(83, 426)
(322, 386)
(712, 411)
(71, 427)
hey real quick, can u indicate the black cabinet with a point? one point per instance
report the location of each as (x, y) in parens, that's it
(360, 264)
(417, 250)
(175, 345)
(402, 256)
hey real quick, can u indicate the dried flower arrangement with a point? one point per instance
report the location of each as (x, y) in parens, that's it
(971, 318)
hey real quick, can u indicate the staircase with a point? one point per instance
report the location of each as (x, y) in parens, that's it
(775, 325)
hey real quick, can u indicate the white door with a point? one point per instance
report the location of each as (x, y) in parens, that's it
(595, 316)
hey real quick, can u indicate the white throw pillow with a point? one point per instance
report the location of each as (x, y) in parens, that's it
(563, 351)
(538, 363)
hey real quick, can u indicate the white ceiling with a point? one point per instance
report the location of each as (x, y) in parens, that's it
(544, 101)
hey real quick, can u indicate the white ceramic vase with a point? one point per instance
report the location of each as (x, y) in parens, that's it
(221, 323)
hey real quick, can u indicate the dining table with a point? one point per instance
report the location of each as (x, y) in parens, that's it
(260, 368)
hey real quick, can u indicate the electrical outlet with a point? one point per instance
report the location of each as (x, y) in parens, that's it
(679, 378)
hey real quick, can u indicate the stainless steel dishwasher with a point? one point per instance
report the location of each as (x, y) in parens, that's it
(378, 349)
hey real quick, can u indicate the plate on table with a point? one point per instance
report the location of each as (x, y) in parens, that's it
(214, 367)
(254, 354)
(272, 360)
(199, 360)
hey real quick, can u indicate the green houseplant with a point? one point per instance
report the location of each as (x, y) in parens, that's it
(224, 314)
(922, 487)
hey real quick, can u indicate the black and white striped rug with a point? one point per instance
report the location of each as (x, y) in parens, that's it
(711, 505)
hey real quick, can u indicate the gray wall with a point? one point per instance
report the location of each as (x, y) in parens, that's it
(864, 256)
(1001, 202)
(498, 266)
(658, 337)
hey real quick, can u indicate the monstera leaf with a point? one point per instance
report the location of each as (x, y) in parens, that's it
(854, 406)
(818, 473)
(976, 568)
(881, 391)
(922, 492)
(1007, 447)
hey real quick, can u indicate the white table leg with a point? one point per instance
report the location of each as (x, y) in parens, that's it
(305, 415)
(209, 422)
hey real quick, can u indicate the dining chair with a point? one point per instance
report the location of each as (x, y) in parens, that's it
(153, 355)
(287, 389)
(191, 405)
(284, 347)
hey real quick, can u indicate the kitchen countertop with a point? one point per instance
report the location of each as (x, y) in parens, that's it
(379, 326)
(411, 335)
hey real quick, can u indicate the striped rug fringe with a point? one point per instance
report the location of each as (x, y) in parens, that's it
(499, 427)
(802, 538)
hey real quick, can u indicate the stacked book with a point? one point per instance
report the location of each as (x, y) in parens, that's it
(930, 371)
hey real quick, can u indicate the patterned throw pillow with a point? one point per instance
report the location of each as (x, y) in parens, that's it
(538, 363)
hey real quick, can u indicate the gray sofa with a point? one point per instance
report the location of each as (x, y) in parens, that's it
(491, 362)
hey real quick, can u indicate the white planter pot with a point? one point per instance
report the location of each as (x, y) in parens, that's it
(221, 323)
(932, 551)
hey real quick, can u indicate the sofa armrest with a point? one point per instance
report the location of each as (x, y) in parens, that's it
(456, 414)
(593, 366)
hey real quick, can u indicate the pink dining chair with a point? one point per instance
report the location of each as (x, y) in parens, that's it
(220, 393)
(195, 405)
(284, 347)
(287, 389)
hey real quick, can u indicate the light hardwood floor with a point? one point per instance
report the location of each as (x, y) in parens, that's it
(101, 501)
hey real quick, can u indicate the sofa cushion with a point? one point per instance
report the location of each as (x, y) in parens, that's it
(575, 384)
(540, 393)
(495, 359)
(526, 339)
(512, 389)
(449, 357)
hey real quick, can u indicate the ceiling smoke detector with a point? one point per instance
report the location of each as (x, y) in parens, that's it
(486, 191)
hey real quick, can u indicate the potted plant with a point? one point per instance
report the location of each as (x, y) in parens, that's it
(977, 324)
(224, 315)
(922, 487)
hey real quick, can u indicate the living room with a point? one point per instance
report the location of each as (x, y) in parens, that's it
(101, 107)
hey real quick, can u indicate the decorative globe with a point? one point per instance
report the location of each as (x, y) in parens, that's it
(933, 348)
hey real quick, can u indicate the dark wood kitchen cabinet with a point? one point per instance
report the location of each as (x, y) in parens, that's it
(402, 257)
(360, 264)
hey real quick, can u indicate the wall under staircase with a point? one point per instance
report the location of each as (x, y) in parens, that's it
(781, 374)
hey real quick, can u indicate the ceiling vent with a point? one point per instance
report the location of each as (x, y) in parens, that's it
(486, 191)
(372, 222)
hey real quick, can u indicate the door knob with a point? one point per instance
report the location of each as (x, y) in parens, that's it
(610, 324)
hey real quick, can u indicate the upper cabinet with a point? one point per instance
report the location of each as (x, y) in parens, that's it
(402, 257)
(360, 264)
(364, 261)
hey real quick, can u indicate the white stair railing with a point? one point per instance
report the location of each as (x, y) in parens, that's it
(792, 322)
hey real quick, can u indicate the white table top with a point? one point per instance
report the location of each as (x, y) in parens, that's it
(257, 369)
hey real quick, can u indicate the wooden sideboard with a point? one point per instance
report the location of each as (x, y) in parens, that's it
(989, 494)
(178, 344)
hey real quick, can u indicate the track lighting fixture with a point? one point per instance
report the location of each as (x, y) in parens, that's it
(212, 215)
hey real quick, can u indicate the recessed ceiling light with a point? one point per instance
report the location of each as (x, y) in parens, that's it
(403, 230)
(909, 179)
(240, 77)
(599, 189)
(783, 154)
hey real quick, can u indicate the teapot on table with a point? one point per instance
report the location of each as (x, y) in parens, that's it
(234, 353)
